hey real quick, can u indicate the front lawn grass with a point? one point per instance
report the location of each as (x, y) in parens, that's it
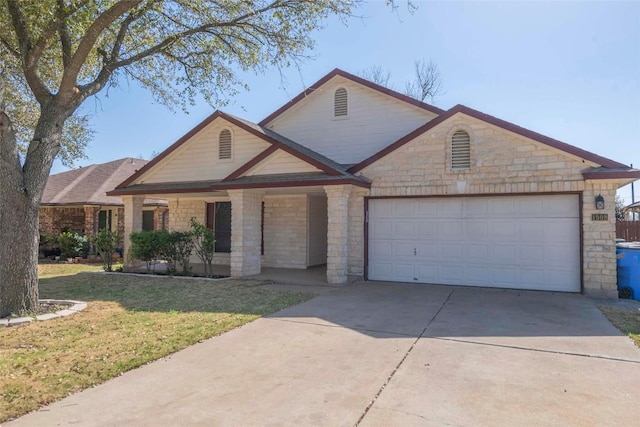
(129, 321)
(625, 319)
(63, 269)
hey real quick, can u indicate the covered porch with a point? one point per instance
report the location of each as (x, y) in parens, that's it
(292, 231)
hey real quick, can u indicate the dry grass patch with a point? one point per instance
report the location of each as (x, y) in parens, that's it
(625, 319)
(62, 269)
(129, 321)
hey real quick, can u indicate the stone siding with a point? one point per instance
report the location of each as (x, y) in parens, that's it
(356, 232)
(180, 213)
(337, 233)
(599, 249)
(501, 163)
(246, 208)
(285, 232)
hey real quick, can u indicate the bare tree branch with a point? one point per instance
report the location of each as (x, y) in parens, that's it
(377, 75)
(427, 83)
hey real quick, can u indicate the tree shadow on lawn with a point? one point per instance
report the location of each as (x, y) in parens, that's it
(171, 294)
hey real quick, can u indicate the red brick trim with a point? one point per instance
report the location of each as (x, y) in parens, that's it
(570, 149)
(630, 174)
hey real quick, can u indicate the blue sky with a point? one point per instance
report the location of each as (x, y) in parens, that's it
(569, 70)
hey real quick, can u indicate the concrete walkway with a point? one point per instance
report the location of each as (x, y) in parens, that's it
(379, 354)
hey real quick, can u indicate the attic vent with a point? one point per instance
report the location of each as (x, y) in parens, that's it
(340, 103)
(460, 150)
(224, 146)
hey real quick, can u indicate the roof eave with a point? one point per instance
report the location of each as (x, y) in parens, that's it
(230, 185)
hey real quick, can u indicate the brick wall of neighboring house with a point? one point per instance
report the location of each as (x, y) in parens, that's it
(161, 218)
(54, 220)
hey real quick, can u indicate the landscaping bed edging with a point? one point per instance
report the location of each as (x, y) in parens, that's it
(73, 307)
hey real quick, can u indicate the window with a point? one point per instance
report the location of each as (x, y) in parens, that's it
(105, 219)
(147, 220)
(460, 150)
(224, 145)
(340, 103)
(219, 220)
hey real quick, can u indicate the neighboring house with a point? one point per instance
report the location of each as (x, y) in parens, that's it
(378, 185)
(77, 201)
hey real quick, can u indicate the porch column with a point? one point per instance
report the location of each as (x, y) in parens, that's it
(337, 232)
(90, 220)
(246, 212)
(132, 223)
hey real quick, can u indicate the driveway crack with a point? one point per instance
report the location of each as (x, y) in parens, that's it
(370, 405)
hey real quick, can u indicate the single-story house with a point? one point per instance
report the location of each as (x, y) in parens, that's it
(77, 200)
(378, 185)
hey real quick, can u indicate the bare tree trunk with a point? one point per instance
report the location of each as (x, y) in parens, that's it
(18, 253)
(21, 189)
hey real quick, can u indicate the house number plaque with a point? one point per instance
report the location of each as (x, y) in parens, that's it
(599, 217)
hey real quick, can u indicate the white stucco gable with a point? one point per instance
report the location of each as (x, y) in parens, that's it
(375, 117)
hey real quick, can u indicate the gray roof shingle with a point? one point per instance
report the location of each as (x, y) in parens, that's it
(89, 185)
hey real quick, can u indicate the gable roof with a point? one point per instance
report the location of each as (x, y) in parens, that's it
(353, 78)
(554, 143)
(323, 163)
(88, 185)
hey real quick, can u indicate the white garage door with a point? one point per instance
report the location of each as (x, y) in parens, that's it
(524, 242)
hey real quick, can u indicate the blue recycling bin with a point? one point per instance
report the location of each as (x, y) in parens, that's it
(628, 266)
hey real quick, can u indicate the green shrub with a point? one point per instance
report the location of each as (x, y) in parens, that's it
(174, 247)
(182, 247)
(147, 246)
(106, 242)
(71, 244)
(204, 244)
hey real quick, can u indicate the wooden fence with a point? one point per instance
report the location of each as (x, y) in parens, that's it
(628, 230)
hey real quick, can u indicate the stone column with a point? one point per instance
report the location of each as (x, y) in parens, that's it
(132, 223)
(246, 212)
(356, 232)
(599, 248)
(337, 232)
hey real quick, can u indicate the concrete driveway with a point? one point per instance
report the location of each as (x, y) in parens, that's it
(382, 354)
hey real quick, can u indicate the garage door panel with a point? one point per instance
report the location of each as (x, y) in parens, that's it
(405, 272)
(450, 208)
(502, 230)
(381, 249)
(404, 229)
(527, 242)
(426, 251)
(404, 249)
(561, 206)
(477, 275)
(381, 229)
(562, 229)
(476, 252)
(503, 254)
(476, 230)
(531, 231)
(404, 208)
(449, 230)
